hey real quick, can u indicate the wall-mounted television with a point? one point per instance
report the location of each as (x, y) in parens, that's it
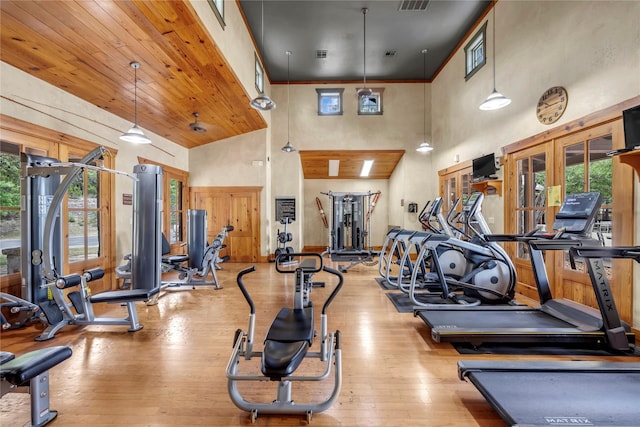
(631, 122)
(484, 167)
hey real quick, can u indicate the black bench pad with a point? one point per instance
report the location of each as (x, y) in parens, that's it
(21, 369)
(5, 356)
(124, 296)
(291, 325)
(175, 259)
(280, 359)
(287, 342)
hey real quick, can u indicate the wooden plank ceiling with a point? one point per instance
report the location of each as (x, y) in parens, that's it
(315, 163)
(84, 47)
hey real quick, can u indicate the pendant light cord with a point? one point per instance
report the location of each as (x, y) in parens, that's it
(424, 94)
(288, 95)
(494, 47)
(364, 50)
(262, 24)
(135, 95)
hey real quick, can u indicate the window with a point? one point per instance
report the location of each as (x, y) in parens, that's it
(588, 168)
(259, 76)
(531, 191)
(176, 211)
(474, 52)
(329, 102)
(83, 216)
(175, 183)
(9, 209)
(218, 10)
(372, 104)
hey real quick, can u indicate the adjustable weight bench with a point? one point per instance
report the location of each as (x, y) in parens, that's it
(32, 370)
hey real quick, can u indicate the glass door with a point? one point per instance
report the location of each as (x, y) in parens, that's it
(530, 171)
(586, 167)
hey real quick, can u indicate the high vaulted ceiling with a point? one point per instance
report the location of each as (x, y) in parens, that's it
(327, 37)
(84, 47)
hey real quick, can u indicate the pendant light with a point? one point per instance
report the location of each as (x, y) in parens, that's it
(135, 134)
(288, 148)
(262, 101)
(496, 100)
(424, 147)
(364, 91)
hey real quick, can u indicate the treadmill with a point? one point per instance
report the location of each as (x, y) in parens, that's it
(556, 321)
(558, 393)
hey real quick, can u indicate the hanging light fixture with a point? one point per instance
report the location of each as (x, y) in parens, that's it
(364, 91)
(496, 100)
(288, 148)
(135, 134)
(262, 101)
(424, 147)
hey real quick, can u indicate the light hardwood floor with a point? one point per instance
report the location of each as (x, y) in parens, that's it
(172, 372)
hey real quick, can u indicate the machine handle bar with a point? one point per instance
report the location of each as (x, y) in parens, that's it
(243, 289)
(336, 290)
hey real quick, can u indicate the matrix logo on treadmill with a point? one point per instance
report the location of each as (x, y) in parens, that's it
(568, 421)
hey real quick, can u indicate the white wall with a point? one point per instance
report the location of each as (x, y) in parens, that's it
(592, 48)
(400, 127)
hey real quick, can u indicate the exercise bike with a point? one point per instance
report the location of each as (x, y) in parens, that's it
(287, 345)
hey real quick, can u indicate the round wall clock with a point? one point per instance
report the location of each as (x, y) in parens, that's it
(552, 104)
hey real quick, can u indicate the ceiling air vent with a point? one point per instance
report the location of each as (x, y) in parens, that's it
(321, 54)
(413, 5)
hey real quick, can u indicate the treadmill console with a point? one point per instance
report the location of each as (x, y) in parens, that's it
(578, 213)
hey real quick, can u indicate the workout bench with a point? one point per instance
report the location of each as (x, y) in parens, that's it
(59, 312)
(31, 371)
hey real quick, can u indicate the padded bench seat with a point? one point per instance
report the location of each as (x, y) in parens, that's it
(23, 368)
(124, 296)
(32, 370)
(287, 342)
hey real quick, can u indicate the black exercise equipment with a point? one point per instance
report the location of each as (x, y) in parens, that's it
(285, 214)
(16, 312)
(437, 268)
(287, 345)
(43, 280)
(565, 392)
(349, 232)
(558, 393)
(555, 321)
(30, 371)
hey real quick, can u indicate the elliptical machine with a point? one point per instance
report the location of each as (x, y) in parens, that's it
(489, 274)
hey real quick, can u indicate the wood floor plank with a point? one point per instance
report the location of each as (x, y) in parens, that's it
(172, 372)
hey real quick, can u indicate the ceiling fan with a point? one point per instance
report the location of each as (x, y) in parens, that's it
(196, 126)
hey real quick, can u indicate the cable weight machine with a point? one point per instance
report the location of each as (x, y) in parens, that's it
(349, 237)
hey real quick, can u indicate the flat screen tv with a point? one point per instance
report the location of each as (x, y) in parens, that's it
(631, 122)
(484, 167)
